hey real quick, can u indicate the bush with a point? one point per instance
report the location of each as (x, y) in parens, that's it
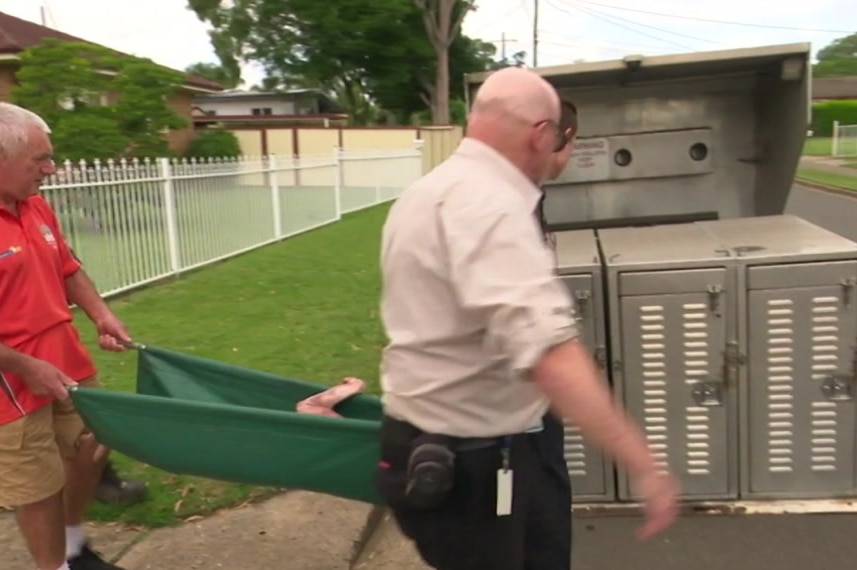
(214, 143)
(825, 112)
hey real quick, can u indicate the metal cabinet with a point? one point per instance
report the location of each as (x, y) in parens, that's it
(670, 295)
(798, 323)
(579, 267)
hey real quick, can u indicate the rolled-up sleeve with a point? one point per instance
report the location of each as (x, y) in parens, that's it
(503, 274)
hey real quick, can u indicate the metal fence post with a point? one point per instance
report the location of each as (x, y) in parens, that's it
(834, 144)
(273, 177)
(337, 183)
(170, 217)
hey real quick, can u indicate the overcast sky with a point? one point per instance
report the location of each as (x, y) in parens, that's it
(167, 32)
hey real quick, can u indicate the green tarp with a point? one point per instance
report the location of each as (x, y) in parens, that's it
(201, 417)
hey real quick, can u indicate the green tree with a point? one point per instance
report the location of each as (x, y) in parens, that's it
(220, 74)
(838, 58)
(100, 104)
(366, 57)
(840, 48)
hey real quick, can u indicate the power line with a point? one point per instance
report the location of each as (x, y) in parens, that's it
(731, 23)
(696, 38)
(608, 19)
(575, 37)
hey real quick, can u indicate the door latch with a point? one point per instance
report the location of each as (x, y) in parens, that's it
(838, 388)
(581, 298)
(848, 285)
(733, 360)
(714, 294)
(708, 394)
(600, 356)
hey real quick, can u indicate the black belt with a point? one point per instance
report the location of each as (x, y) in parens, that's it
(406, 432)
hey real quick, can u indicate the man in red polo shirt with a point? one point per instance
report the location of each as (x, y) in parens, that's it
(47, 457)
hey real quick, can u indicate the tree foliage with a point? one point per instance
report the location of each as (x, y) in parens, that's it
(837, 58)
(214, 143)
(213, 72)
(379, 55)
(99, 104)
(840, 48)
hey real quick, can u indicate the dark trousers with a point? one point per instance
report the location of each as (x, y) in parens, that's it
(466, 533)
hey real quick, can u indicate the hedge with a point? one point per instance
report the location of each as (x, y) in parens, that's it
(825, 112)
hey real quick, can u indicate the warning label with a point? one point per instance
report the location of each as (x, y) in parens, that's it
(590, 160)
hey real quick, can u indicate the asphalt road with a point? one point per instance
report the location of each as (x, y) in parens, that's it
(836, 212)
(734, 542)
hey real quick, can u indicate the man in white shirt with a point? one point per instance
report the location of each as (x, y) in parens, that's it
(482, 342)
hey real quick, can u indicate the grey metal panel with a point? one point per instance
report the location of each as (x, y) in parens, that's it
(576, 251)
(801, 408)
(671, 366)
(778, 239)
(814, 274)
(675, 281)
(592, 476)
(660, 247)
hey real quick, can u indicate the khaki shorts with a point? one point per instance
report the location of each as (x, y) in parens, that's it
(32, 450)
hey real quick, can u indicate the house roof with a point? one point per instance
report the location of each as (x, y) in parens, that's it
(834, 87)
(17, 35)
(327, 103)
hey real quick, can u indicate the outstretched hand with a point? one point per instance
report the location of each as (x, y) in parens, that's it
(112, 334)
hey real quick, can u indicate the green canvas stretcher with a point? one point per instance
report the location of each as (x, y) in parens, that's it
(195, 416)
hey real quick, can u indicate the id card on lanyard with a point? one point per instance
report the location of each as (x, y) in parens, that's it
(504, 480)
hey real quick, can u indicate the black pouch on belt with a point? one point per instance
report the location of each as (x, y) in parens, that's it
(431, 471)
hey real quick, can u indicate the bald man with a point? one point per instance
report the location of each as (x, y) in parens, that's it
(483, 341)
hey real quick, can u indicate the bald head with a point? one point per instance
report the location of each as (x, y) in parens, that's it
(517, 93)
(517, 113)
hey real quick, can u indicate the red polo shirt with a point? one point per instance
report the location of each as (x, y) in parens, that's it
(34, 314)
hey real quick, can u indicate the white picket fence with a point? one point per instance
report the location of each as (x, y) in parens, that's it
(844, 141)
(135, 222)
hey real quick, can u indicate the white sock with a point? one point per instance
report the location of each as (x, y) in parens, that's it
(74, 541)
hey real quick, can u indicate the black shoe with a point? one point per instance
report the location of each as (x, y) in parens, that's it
(114, 490)
(89, 560)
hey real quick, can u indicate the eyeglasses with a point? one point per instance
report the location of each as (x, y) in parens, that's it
(563, 137)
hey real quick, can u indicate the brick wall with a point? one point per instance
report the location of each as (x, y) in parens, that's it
(7, 81)
(182, 105)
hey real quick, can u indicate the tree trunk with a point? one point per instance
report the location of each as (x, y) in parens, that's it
(440, 110)
(441, 30)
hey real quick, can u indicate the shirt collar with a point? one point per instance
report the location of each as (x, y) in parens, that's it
(475, 149)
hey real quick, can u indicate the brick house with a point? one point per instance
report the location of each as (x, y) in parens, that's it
(17, 35)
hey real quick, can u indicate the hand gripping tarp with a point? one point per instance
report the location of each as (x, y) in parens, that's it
(195, 416)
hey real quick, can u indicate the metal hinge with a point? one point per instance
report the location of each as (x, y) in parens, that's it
(714, 294)
(848, 285)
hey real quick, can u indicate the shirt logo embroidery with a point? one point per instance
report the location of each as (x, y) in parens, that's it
(11, 251)
(48, 235)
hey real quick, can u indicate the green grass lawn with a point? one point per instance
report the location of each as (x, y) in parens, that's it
(305, 308)
(817, 146)
(828, 178)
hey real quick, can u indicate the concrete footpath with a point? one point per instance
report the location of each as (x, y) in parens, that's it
(305, 531)
(295, 530)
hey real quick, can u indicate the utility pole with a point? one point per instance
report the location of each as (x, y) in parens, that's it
(503, 41)
(44, 17)
(536, 34)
